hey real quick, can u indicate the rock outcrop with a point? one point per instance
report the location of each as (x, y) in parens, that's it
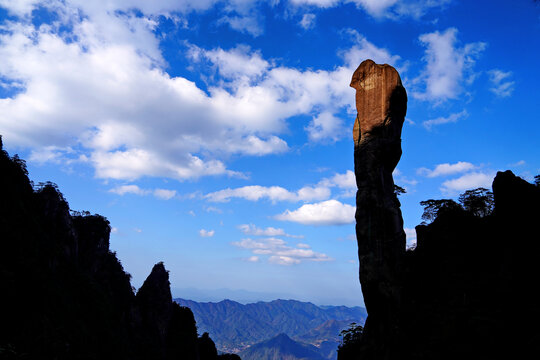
(381, 102)
(66, 296)
(468, 289)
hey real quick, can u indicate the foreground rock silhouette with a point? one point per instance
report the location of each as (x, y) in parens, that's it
(468, 289)
(65, 295)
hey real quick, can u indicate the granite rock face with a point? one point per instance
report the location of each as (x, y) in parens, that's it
(468, 288)
(381, 102)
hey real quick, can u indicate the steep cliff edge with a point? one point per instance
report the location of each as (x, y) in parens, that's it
(65, 295)
(467, 290)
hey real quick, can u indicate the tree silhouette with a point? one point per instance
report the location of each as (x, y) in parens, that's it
(537, 180)
(432, 208)
(399, 190)
(351, 335)
(478, 202)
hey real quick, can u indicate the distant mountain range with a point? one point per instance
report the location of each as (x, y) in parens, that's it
(281, 347)
(271, 327)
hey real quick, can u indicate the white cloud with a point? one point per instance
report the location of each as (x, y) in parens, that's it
(253, 259)
(51, 154)
(250, 229)
(501, 85)
(206, 233)
(303, 246)
(273, 193)
(248, 23)
(318, 3)
(411, 237)
(452, 118)
(383, 8)
(320, 191)
(164, 194)
(239, 63)
(330, 212)
(94, 90)
(343, 181)
(279, 252)
(468, 181)
(363, 49)
(446, 169)
(128, 189)
(326, 127)
(308, 21)
(376, 8)
(447, 65)
(137, 230)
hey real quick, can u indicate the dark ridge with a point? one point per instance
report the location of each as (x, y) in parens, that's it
(87, 308)
(468, 289)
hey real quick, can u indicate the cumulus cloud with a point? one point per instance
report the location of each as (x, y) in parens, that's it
(446, 169)
(468, 181)
(448, 65)
(346, 182)
(502, 86)
(326, 127)
(250, 229)
(206, 233)
(452, 118)
(102, 79)
(279, 252)
(330, 212)
(239, 63)
(163, 194)
(393, 9)
(128, 189)
(319, 191)
(272, 193)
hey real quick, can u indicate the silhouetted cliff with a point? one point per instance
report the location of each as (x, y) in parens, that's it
(65, 295)
(468, 290)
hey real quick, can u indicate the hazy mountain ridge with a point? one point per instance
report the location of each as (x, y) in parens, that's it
(281, 347)
(235, 326)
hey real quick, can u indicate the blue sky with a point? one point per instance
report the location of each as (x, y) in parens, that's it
(215, 135)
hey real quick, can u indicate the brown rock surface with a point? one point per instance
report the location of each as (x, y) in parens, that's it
(381, 102)
(375, 84)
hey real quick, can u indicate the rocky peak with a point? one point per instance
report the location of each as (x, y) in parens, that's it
(156, 287)
(381, 100)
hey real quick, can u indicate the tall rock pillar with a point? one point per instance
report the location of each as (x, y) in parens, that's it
(381, 102)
